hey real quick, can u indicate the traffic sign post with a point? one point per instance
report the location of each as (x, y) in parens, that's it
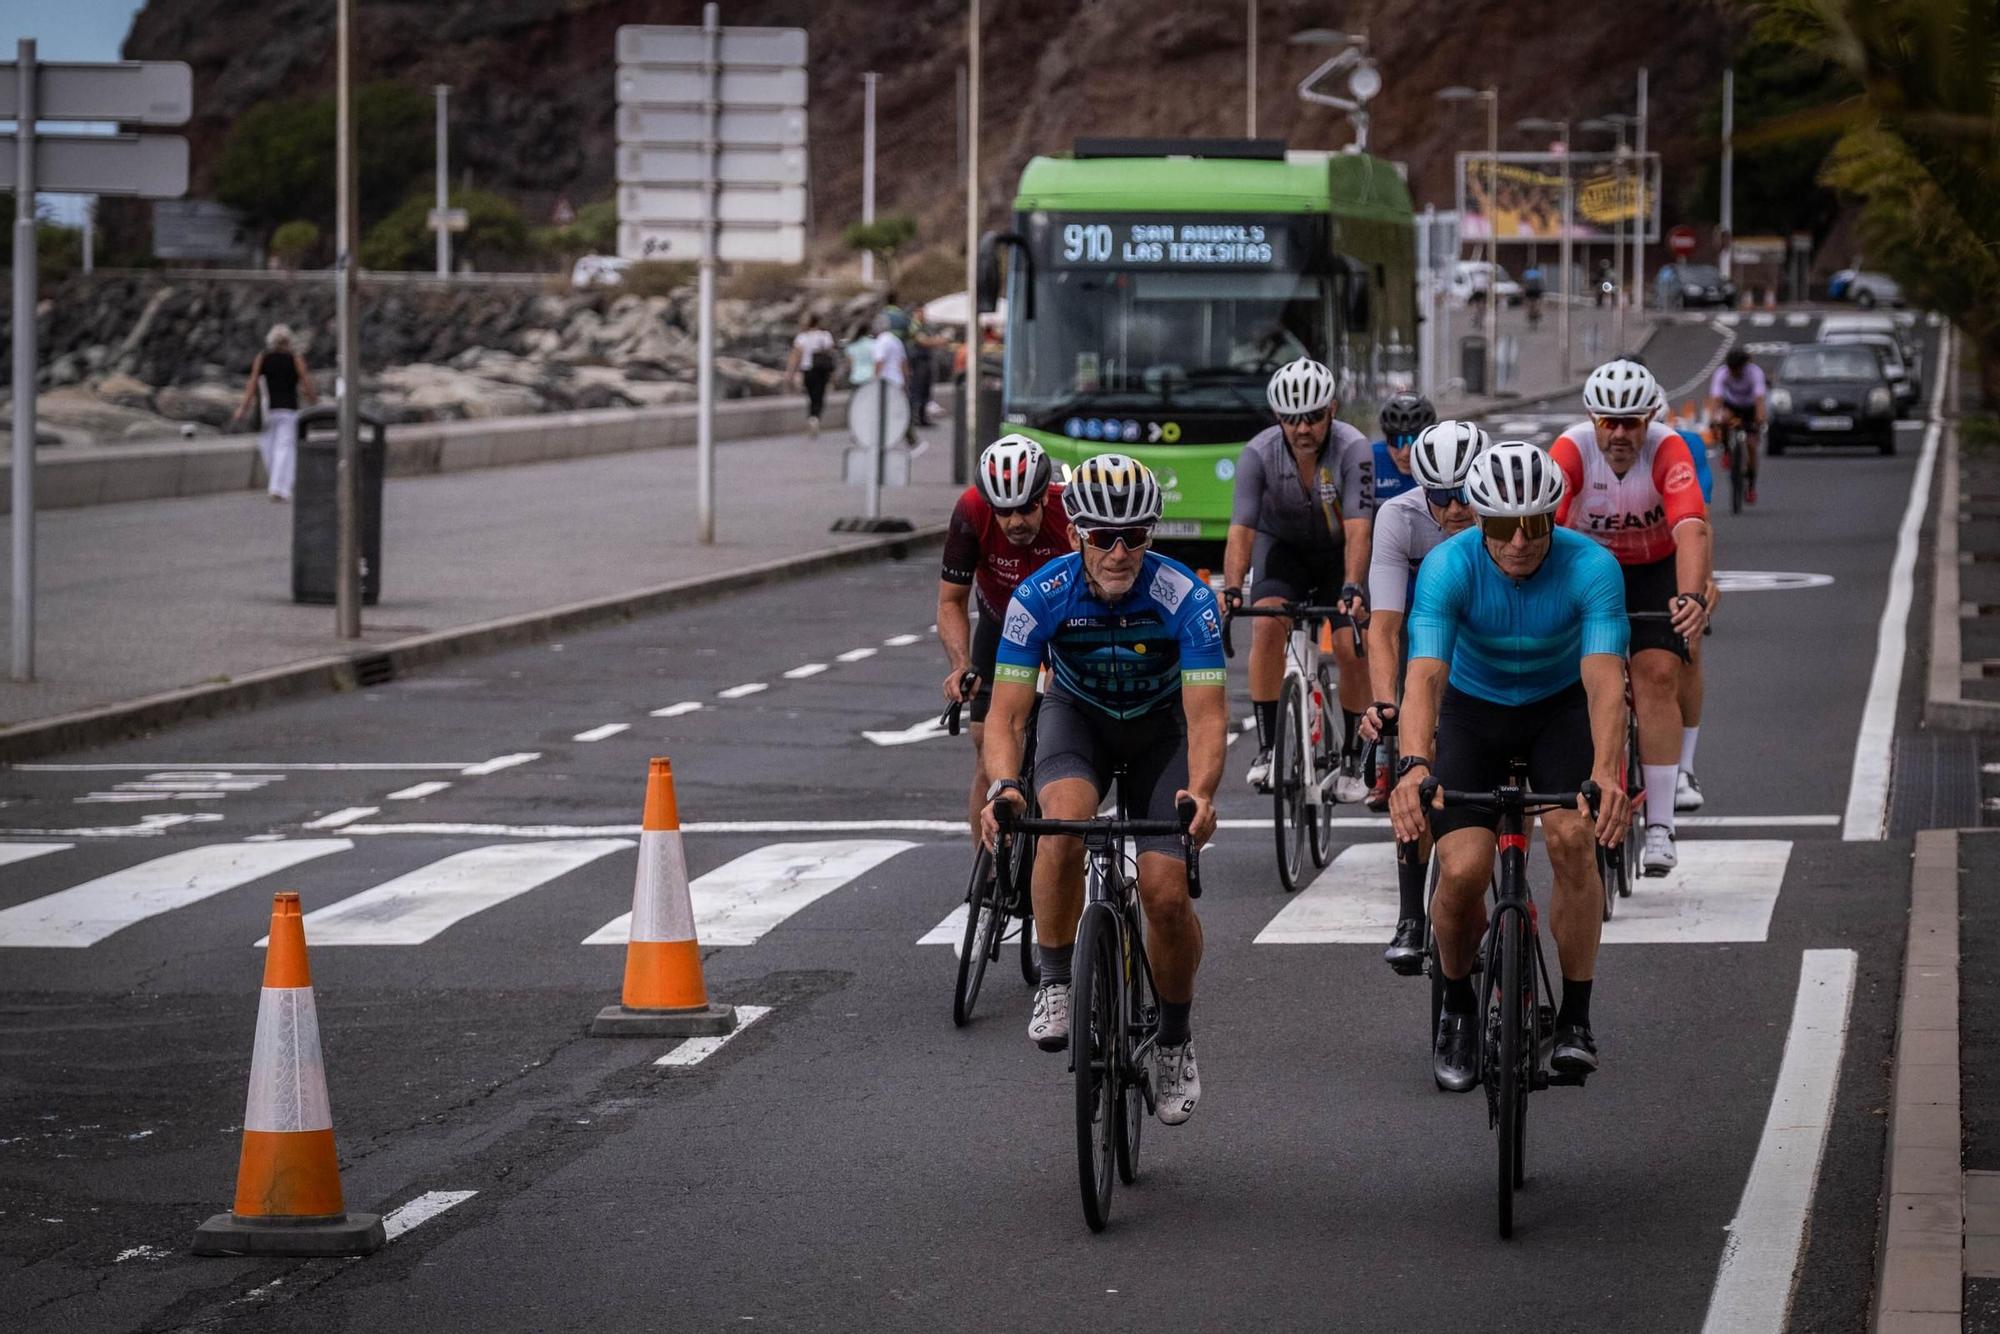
(1681, 241)
(711, 166)
(155, 165)
(876, 416)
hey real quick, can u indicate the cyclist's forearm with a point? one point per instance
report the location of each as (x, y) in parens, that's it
(1385, 652)
(1207, 709)
(954, 624)
(1360, 549)
(1604, 686)
(1423, 687)
(1005, 719)
(1236, 555)
(1691, 556)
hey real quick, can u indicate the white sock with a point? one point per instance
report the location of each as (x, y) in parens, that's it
(1689, 735)
(1660, 793)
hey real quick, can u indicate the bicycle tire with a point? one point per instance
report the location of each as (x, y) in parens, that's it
(1093, 1038)
(1607, 878)
(1031, 971)
(1288, 779)
(1512, 1093)
(1736, 471)
(982, 918)
(1635, 791)
(1432, 965)
(1132, 1098)
(1326, 762)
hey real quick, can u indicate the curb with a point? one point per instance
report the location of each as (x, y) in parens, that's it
(1945, 705)
(1919, 1283)
(377, 665)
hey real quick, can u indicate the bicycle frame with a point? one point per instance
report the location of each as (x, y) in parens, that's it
(1302, 664)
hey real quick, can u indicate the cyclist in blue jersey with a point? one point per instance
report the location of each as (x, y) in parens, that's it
(1693, 688)
(1402, 418)
(1133, 641)
(1517, 651)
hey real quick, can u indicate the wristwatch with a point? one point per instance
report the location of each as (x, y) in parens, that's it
(1004, 785)
(1698, 598)
(1409, 762)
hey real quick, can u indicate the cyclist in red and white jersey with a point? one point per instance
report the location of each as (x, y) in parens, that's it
(1008, 524)
(1631, 485)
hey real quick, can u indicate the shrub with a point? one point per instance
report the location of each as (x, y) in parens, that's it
(294, 241)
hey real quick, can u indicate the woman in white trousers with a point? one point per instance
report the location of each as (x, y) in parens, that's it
(286, 384)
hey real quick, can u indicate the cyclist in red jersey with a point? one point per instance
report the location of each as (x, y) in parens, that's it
(1008, 524)
(1631, 485)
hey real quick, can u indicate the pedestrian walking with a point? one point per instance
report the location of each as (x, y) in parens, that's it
(860, 354)
(811, 363)
(892, 365)
(286, 383)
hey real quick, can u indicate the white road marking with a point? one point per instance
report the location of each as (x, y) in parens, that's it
(413, 908)
(149, 826)
(804, 670)
(1763, 318)
(346, 815)
(854, 655)
(747, 688)
(417, 791)
(694, 1051)
(602, 731)
(1728, 318)
(20, 852)
(141, 1253)
(239, 766)
(497, 763)
(737, 903)
(1798, 320)
(951, 931)
(899, 641)
(1868, 789)
(1760, 1260)
(927, 728)
(676, 710)
(87, 913)
(421, 1210)
(1721, 892)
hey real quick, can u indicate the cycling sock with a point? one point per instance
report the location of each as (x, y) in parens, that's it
(1688, 738)
(1575, 1003)
(1659, 793)
(1174, 1026)
(1458, 997)
(1055, 961)
(1410, 870)
(1267, 722)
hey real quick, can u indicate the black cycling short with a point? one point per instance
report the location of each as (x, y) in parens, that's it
(1075, 740)
(985, 653)
(1297, 575)
(1653, 588)
(1478, 741)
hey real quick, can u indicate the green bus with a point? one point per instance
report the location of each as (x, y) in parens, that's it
(1154, 286)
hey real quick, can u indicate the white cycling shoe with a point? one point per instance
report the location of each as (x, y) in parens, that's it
(1176, 1083)
(1687, 792)
(1259, 776)
(1660, 856)
(1048, 1026)
(1348, 788)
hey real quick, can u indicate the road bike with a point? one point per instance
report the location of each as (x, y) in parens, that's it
(1307, 754)
(988, 908)
(1114, 1006)
(1514, 976)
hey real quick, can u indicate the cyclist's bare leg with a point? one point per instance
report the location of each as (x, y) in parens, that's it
(1458, 910)
(1173, 932)
(1692, 688)
(1577, 915)
(1267, 654)
(1656, 696)
(1058, 885)
(976, 800)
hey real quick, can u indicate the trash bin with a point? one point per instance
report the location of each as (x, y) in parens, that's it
(316, 507)
(1472, 363)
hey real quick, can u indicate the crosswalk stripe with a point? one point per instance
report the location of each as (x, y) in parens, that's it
(951, 931)
(737, 903)
(87, 913)
(1721, 892)
(20, 852)
(412, 908)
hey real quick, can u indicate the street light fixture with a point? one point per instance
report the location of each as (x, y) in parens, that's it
(1560, 128)
(1491, 97)
(1364, 80)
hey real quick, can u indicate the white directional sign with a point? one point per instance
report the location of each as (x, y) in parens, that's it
(642, 44)
(748, 243)
(738, 127)
(154, 165)
(150, 92)
(456, 219)
(733, 204)
(673, 85)
(646, 164)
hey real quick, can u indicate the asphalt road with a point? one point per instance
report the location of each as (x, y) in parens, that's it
(851, 1159)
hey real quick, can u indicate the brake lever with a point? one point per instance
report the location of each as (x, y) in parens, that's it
(1190, 854)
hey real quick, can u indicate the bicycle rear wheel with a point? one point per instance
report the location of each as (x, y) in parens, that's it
(1516, 1049)
(984, 919)
(1608, 860)
(1289, 766)
(1139, 1001)
(1094, 1040)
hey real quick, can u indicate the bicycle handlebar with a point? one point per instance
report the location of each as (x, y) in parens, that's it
(949, 719)
(1290, 611)
(1507, 797)
(1012, 823)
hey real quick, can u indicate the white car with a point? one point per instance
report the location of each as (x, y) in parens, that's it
(1868, 290)
(599, 271)
(1469, 276)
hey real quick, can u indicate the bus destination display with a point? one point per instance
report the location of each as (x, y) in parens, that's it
(1129, 242)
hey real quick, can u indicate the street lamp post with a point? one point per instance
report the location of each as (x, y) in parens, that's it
(443, 91)
(347, 580)
(1364, 80)
(868, 169)
(1491, 97)
(1615, 123)
(1536, 124)
(1250, 73)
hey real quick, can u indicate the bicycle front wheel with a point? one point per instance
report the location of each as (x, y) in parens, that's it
(1328, 757)
(1094, 1040)
(1516, 1049)
(1289, 768)
(983, 920)
(1736, 481)
(1139, 1000)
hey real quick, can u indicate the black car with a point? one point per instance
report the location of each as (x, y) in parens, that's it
(1832, 394)
(1686, 285)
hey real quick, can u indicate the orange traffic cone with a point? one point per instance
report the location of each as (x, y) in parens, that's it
(288, 1199)
(664, 992)
(1326, 636)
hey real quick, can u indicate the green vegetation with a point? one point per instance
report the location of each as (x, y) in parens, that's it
(1778, 189)
(595, 232)
(279, 161)
(658, 277)
(495, 236)
(294, 241)
(884, 238)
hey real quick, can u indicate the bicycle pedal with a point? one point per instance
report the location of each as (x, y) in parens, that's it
(1568, 1078)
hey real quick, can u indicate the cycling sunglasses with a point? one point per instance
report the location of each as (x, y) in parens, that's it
(1532, 526)
(1622, 423)
(1015, 511)
(1442, 496)
(1303, 418)
(1136, 537)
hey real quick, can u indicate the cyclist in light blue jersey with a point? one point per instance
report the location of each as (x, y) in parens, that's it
(1693, 688)
(1517, 652)
(1403, 418)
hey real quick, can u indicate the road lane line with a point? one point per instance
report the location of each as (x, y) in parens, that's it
(631, 830)
(602, 732)
(1868, 789)
(20, 852)
(416, 792)
(236, 766)
(737, 903)
(421, 1210)
(899, 641)
(415, 907)
(497, 763)
(1760, 1259)
(854, 655)
(804, 670)
(346, 815)
(87, 913)
(149, 826)
(694, 1051)
(747, 688)
(676, 710)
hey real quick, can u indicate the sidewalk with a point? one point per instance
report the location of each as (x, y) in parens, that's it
(135, 599)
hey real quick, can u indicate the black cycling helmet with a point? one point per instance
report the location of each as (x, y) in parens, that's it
(1738, 358)
(1404, 415)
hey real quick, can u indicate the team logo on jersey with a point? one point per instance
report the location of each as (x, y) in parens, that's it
(1020, 625)
(1680, 477)
(1169, 587)
(1053, 582)
(1211, 624)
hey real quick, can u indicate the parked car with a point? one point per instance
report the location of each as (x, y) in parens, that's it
(1869, 290)
(1470, 275)
(1901, 375)
(1685, 285)
(599, 271)
(1834, 394)
(1872, 321)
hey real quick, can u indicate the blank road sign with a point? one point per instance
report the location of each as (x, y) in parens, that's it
(745, 242)
(733, 166)
(653, 44)
(151, 92)
(683, 85)
(199, 229)
(682, 203)
(148, 165)
(737, 126)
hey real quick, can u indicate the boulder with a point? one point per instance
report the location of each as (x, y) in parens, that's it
(124, 390)
(209, 405)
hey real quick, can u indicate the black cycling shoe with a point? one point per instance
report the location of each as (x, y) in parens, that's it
(1575, 1050)
(1405, 955)
(1455, 1056)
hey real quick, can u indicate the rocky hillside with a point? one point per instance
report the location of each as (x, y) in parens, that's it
(533, 104)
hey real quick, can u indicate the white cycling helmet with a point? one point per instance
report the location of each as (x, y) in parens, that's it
(1013, 472)
(1620, 388)
(1300, 386)
(1514, 479)
(1111, 490)
(1444, 452)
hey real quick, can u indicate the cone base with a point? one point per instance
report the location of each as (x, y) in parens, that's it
(346, 1234)
(706, 1021)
